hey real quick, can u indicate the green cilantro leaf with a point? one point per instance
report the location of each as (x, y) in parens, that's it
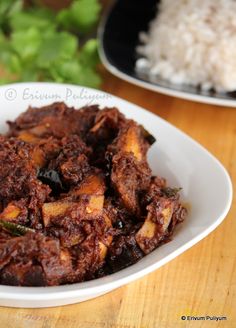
(89, 53)
(74, 72)
(56, 46)
(81, 15)
(36, 43)
(41, 18)
(26, 43)
(8, 7)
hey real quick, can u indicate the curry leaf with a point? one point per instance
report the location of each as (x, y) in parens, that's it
(15, 229)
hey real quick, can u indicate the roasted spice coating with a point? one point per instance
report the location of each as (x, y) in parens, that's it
(77, 197)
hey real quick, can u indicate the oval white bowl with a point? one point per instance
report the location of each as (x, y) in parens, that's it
(175, 156)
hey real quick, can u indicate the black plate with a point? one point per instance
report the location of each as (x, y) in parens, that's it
(119, 37)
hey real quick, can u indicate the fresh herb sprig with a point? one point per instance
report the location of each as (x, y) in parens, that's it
(38, 44)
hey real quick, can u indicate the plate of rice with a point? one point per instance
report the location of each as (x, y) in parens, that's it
(184, 48)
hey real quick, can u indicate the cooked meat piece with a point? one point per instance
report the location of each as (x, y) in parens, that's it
(18, 175)
(122, 253)
(33, 260)
(45, 150)
(130, 178)
(93, 184)
(179, 215)
(108, 123)
(26, 274)
(156, 224)
(130, 172)
(72, 161)
(154, 189)
(16, 212)
(89, 258)
(74, 218)
(117, 213)
(56, 120)
(163, 213)
(130, 140)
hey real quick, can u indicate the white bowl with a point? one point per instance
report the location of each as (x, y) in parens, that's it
(175, 156)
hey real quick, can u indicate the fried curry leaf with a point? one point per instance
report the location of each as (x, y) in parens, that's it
(15, 229)
(170, 192)
(52, 179)
(148, 136)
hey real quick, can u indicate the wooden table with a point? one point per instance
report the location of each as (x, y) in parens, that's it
(202, 281)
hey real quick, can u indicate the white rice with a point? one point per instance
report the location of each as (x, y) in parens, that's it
(192, 42)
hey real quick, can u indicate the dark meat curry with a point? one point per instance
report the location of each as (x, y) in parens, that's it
(77, 197)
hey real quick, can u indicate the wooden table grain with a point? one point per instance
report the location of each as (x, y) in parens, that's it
(200, 282)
